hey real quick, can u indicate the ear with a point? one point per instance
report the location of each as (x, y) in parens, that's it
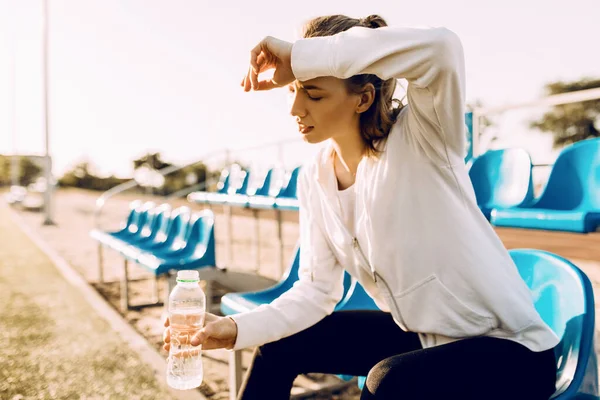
(366, 99)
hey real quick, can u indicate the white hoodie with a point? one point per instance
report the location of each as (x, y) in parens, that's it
(423, 250)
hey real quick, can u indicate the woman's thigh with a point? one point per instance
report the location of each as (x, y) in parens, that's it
(345, 342)
(477, 368)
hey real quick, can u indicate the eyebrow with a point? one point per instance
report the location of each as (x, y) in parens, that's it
(307, 87)
(312, 87)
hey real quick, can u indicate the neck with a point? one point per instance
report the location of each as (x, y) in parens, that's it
(350, 150)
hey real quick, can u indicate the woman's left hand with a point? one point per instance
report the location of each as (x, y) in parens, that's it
(268, 54)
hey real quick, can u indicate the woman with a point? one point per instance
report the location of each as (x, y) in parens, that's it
(390, 201)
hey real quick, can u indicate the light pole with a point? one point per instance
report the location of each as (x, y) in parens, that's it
(48, 160)
(12, 77)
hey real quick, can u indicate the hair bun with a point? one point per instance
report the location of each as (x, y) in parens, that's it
(374, 21)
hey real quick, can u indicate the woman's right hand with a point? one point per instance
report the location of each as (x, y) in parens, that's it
(269, 53)
(218, 333)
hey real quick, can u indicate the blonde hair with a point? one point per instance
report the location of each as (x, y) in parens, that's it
(377, 121)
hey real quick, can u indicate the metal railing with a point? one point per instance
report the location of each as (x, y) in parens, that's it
(133, 183)
(554, 100)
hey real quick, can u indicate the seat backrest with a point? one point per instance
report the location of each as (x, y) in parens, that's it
(223, 184)
(243, 188)
(134, 211)
(563, 297)
(290, 189)
(574, 181)
(265, 185)
(201, 229)
(179, 225)
(291, 274)
(200, 238)
(135, 228)
(160, 223)
(150, 223)
(238, 180)
(356, 299)
(502, 178)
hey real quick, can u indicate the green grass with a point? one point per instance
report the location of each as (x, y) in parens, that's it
(52, 343)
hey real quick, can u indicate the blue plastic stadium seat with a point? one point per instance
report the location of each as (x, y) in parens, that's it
(571, 199)
(502, 179)
(233, 303)
(130, 224)
(238, 185)
(564, 298)
(171, 234)
(286, 195)
(222, 187)
(153, 216)
(357, 299)
(133, 228)
(243, 200)
(196, 251)
(156, 225)
(288, 198)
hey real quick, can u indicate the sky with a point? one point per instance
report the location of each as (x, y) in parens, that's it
(131, 76)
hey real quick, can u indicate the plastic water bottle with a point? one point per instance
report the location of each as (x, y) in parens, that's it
(186, 314)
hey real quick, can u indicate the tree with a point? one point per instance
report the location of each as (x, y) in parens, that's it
(152, 161)
(82, 177)
(570, 123)
(29, 170)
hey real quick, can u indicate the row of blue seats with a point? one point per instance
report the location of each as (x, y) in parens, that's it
(234, 189)
(160, 239)
(562, 293)
(503, 184)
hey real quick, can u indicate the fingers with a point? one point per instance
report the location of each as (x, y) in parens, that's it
(167, 335)
(167, 322)
(266, 85)
(199, 338)
(248, 83)
(258, 61)
(255, 53)
(253, 70)
(203, 335)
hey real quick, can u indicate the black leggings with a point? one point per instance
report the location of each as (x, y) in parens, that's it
(369, 343)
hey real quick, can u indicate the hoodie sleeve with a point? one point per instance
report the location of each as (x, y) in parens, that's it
(315, 294)
(430, 59)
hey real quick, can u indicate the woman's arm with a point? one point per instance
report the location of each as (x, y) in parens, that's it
(431, 59)
(313, 296)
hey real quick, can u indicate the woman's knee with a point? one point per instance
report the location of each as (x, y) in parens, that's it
(379, 380)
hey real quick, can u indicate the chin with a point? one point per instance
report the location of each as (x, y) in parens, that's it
(313, 139)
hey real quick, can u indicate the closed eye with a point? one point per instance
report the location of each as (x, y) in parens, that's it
(291, 89)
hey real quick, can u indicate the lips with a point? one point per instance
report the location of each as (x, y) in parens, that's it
(305, 129)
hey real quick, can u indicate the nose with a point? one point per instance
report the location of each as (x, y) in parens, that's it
(297, 107)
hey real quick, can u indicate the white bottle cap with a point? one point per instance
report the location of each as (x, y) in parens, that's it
(188, 276)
